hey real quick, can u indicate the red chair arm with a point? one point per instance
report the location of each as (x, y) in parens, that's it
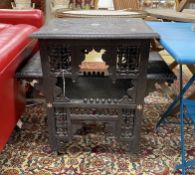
(32, 17)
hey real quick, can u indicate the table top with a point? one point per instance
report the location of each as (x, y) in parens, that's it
(95, 28)
(178, 39)
(99, 13)
(170, 14)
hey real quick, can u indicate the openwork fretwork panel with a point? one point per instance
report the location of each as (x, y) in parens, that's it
(127, 125)
(128, 59)
(61, 118)
(59, 56)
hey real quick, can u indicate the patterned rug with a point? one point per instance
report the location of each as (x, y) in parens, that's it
(91, 152)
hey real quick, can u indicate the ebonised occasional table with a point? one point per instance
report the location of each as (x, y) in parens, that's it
(114, 96)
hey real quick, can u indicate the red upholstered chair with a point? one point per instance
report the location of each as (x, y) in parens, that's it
(15, 47)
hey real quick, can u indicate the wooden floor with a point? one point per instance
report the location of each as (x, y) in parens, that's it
(168, 59)
(188, 15)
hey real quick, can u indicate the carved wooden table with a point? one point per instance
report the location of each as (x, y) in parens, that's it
(114, 96)
(188, 15)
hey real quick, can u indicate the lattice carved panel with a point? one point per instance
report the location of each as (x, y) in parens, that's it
(61, 118)
(127, 125)
(59, 57)
(128, 59)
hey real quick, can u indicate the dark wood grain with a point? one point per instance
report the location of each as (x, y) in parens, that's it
(5, 4)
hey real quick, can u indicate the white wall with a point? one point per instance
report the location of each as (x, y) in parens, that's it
(105, 4)
(48, 10)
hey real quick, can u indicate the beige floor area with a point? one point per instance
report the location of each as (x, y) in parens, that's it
(168, 59)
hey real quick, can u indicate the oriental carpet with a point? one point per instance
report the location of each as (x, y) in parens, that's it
(93, 153)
